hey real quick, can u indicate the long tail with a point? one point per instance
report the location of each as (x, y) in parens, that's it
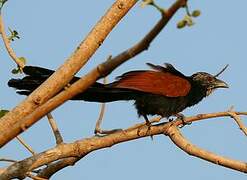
(98, 92)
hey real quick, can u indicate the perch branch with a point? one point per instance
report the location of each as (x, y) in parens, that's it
(81, 148)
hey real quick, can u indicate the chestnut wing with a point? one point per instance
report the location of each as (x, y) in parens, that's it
(160, 83)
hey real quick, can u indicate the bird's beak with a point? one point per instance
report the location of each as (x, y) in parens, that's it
(220, 84)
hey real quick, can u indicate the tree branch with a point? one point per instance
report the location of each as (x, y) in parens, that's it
(29, 148)
(82, 84)
(55, 130)
(65, 73)
(7, 45)
(81, 148)
(177, 138)
(238, 121)
(144, 43)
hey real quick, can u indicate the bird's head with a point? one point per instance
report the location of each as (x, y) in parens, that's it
(208, 81)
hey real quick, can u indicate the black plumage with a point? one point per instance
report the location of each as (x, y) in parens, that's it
(162, 91)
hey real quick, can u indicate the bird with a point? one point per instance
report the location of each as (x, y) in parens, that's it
(162, 90)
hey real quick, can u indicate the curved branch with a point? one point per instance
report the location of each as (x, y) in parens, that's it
(6, 41)
(177, 138)
(81, 148)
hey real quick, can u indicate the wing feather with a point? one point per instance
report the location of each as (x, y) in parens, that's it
(155, 82)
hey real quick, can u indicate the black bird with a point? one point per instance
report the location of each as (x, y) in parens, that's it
(162, 91)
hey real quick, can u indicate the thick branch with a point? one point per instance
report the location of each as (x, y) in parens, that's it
(144, 43)
(82, 147)
(65, 73)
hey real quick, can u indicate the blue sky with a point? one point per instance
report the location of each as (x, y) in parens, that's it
(51, 30)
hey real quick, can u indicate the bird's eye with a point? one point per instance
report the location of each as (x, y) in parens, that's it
(209, 78)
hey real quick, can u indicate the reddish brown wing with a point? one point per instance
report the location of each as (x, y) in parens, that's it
(160, 83)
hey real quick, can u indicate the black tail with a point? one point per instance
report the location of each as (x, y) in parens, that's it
(98, 92)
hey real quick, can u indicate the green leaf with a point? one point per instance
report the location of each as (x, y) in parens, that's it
(3, 112)
(196, 13)
(13, 34)
(181, 24)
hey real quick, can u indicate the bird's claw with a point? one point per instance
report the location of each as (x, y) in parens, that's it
(182, 118)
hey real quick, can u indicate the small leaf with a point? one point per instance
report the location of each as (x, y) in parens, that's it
(3, 112)
(181, 24)
(196, 13)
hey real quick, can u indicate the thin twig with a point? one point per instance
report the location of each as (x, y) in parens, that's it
(98, 129)
(29, 148)
(54, 127)
(7, 45)
(8, 160)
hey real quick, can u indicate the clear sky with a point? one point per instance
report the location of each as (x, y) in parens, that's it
(51, 30)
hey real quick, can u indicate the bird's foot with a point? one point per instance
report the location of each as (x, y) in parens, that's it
(182, 118)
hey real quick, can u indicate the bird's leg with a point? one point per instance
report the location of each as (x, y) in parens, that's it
(148, 123)
(182, 118)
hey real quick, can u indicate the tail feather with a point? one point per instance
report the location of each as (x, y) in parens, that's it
(98, 92)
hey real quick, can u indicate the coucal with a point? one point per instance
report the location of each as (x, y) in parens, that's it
(162, 91)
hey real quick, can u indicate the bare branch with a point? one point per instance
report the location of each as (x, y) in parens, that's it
(177, 138)
(52, 168)
(101, 70)
(8, 160)
(98, 129)
(29, 148)
(144, 43)
(66, 72)
(99, 121)
(81, 148)
(54, 127)
(7, 45)
(238, 121)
